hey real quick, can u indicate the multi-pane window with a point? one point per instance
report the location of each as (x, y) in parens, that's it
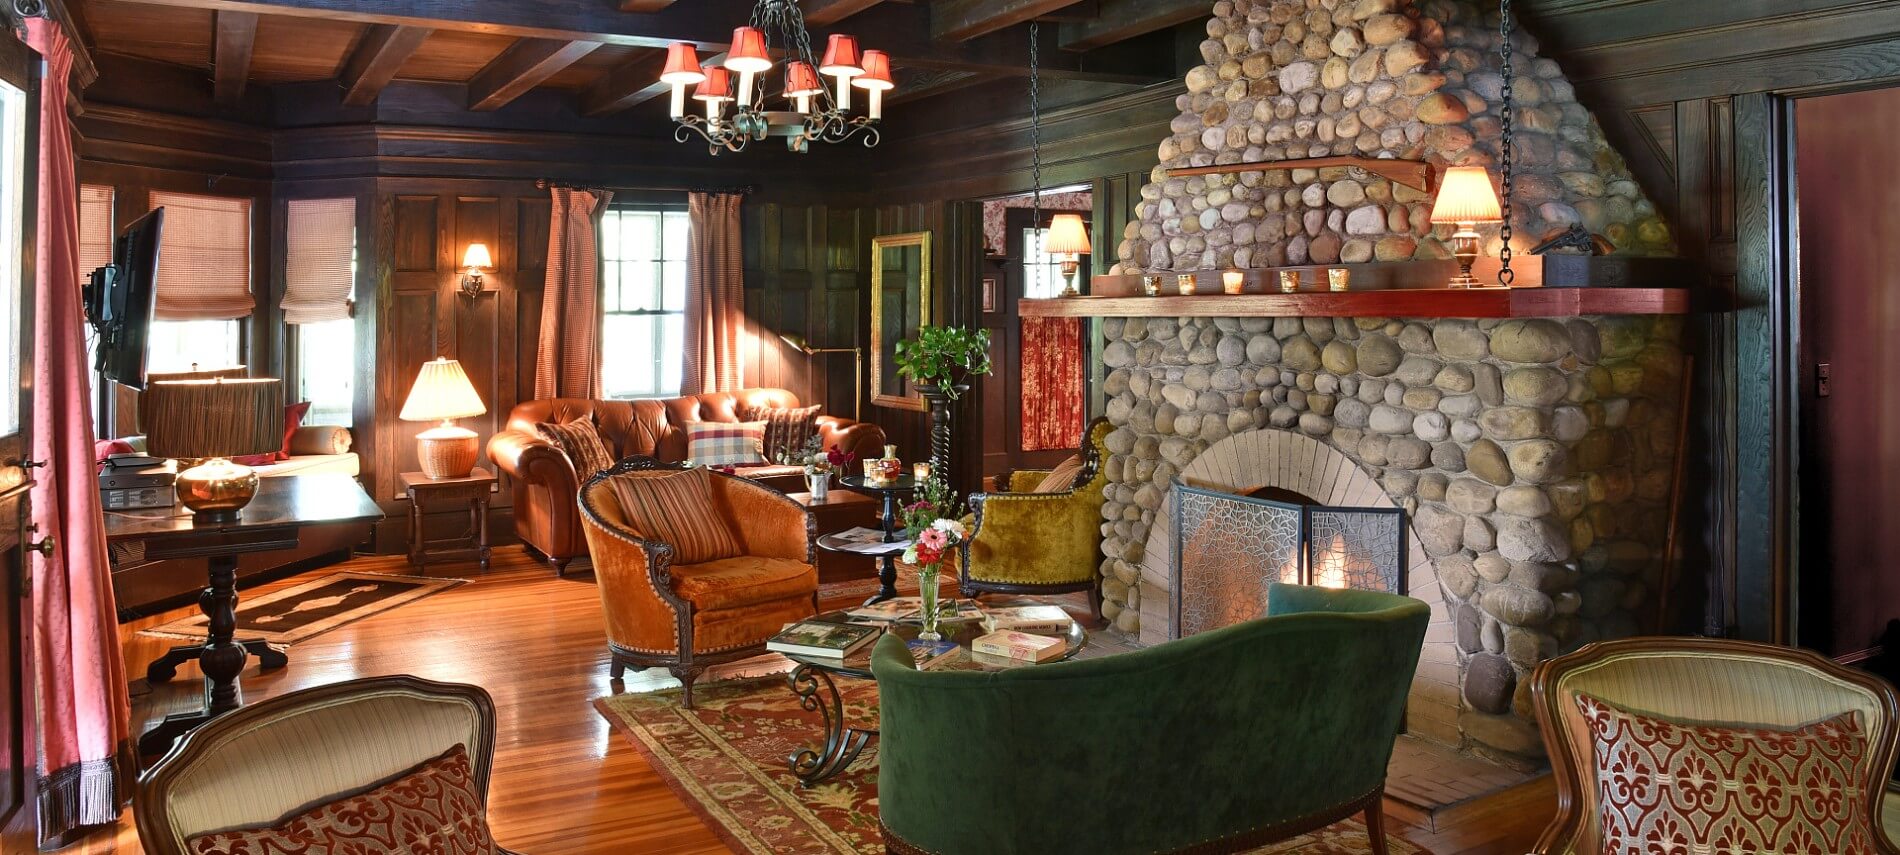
(1042, 272)
(643, 301)
(319, 276)
(204, 274)
(13, 235)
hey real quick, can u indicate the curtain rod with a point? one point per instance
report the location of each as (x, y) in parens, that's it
(742, 190)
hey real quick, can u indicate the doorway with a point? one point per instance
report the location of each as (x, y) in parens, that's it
(1034, 403)
(1848, 292)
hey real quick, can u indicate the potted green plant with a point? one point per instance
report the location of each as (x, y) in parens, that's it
(941, 361)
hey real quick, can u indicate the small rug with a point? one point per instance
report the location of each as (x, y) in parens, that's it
(727, 761)
(312, 608)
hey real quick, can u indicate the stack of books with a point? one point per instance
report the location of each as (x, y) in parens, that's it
(822, 638)
(1042, 620)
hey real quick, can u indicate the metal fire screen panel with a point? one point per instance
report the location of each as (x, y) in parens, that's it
(1227, 548)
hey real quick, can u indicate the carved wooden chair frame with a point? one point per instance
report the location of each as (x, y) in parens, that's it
(1091, 466)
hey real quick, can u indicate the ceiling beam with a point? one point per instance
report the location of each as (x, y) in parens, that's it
(523, 66)
(1120, 20)
(631, 84)
(902, 30)
(231, 55)
(962, 20)
(644, 5)
(378, 56)
(819, 13)
(917, 86)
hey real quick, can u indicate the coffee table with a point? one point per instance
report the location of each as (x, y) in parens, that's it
(815, 683)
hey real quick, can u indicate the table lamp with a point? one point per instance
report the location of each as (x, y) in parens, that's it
(203, 423)
(1465, 199)
(442, 392)
(1068, 239)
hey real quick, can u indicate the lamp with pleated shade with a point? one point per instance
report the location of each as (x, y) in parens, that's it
(204, 423)
(1068, 238)
(876, 80)
(801, 83)
(443, 392)
(1466, 199)
(749, 58)
(715, 90)
(682, 70)
(842, 61)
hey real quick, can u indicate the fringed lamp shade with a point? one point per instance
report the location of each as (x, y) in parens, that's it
(213, 418)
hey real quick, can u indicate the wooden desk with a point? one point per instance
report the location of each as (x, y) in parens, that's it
(283, 508)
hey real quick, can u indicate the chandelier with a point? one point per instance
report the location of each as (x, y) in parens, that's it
(815, 112)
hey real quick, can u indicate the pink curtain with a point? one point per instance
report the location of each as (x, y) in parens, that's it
(1052, 383)
(715, 295)
(84, 714)
(568, 365)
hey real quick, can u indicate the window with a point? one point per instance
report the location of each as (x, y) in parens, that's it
(643, 301)
(204, 282)
(1042, 272)
(319, 276)
(12, 235)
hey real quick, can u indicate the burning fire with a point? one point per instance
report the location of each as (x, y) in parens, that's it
(1330, 571)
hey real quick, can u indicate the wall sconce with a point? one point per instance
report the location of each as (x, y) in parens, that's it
(800, 344)
(475, 260)
(1465, 199)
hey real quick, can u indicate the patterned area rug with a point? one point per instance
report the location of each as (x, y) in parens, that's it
(312, 608)
(726, 760)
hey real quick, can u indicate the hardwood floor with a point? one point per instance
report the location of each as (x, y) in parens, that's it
(564, 782)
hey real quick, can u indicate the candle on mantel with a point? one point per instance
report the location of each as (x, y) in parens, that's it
(1184, 283)
(920, 471)
(1233, 281)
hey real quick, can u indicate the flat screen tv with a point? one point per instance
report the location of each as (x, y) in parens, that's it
(119, 299)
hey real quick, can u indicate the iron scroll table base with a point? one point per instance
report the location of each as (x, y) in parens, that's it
(817, 693)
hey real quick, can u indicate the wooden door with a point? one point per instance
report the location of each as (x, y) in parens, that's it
(19, 142)
(1849, 297)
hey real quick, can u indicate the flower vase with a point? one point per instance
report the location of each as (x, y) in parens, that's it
(927, 590)
(820, 483)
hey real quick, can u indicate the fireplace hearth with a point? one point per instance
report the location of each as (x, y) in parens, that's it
(1227, 548)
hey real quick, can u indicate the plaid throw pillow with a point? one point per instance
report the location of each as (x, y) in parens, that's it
(435, 807)
(677, 508)
(582, 443)
(725, 443)
(787, 430)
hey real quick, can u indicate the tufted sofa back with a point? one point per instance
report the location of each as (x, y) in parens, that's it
(651, 426)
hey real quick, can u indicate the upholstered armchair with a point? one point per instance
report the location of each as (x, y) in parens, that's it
(256, 765)
(1733, 683)
(1249, 734)
(688, 617)
(1028, 542)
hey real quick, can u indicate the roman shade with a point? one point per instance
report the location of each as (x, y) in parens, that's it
(204, 258)
(95, 228)
(319, 244)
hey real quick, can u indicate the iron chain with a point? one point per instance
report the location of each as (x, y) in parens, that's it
(1035, 126)
(1505, 145)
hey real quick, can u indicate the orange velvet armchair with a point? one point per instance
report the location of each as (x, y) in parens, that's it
(688, 617)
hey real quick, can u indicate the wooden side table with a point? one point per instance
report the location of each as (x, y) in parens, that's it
(427, 493)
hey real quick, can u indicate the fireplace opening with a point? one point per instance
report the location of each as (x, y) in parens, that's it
(1228, 547)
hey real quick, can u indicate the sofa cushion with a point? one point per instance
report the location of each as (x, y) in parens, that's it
(582, 444)
(1667, 785)
(320, 439)
(314, 464)
(1062, 478)
(725, 443)
(788, 430)
(745, 580)
(435, 808)
(677, 508)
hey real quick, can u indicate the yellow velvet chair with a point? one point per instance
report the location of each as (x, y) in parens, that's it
(1027, 542)
(688, 617)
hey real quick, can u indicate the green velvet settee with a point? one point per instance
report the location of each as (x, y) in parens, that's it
(1216, 743)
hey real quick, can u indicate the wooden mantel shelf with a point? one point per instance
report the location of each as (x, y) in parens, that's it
(1409, 303)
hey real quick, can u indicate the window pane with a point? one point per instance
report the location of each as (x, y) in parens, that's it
(610, 286)
(12, 236)
(677, 237)
(673, 353)
(674, 277)
(643, 291)
(191, 345)
(327, 367)
(643, 236)
(640, 287)
(627, 349)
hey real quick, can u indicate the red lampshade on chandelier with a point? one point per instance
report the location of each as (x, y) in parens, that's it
(815, 112)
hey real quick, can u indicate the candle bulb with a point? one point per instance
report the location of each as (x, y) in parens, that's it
(920, 471)
(804, 103)
(679, 100)
(745, 89)
(844, 93)
(877, 104)
(1233, 281)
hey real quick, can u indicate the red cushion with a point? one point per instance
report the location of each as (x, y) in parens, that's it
(293, 419)
(435, 808)
(104, 448)
(1667, 787)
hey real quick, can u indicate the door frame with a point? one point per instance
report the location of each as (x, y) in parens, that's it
(19, 825)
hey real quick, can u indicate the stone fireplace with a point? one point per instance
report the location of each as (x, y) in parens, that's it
(1529, 446)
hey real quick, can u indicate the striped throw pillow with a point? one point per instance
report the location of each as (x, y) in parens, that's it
(581, 441)
(725, 443)
(787, 430)
(677, 508)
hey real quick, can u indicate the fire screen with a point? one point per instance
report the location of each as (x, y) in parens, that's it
(1228, 547)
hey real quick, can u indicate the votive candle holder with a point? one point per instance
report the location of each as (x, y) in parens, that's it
(1338, 279)
(1289, 281)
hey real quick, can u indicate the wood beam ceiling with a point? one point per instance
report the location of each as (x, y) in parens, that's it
(901, 30)
(962, 20)
(820, 13)
(523, 66)
(381, 52)
(644, 5)
(231, 55)
(1120, 20)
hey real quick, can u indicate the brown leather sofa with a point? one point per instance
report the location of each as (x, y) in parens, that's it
(546, 487)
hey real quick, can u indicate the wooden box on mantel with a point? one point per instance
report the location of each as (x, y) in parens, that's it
(1546, 286)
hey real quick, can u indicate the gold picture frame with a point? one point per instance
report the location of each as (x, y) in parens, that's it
(900, 305)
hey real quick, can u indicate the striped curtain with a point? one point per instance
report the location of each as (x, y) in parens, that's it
(715, 295)
(568, 363)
